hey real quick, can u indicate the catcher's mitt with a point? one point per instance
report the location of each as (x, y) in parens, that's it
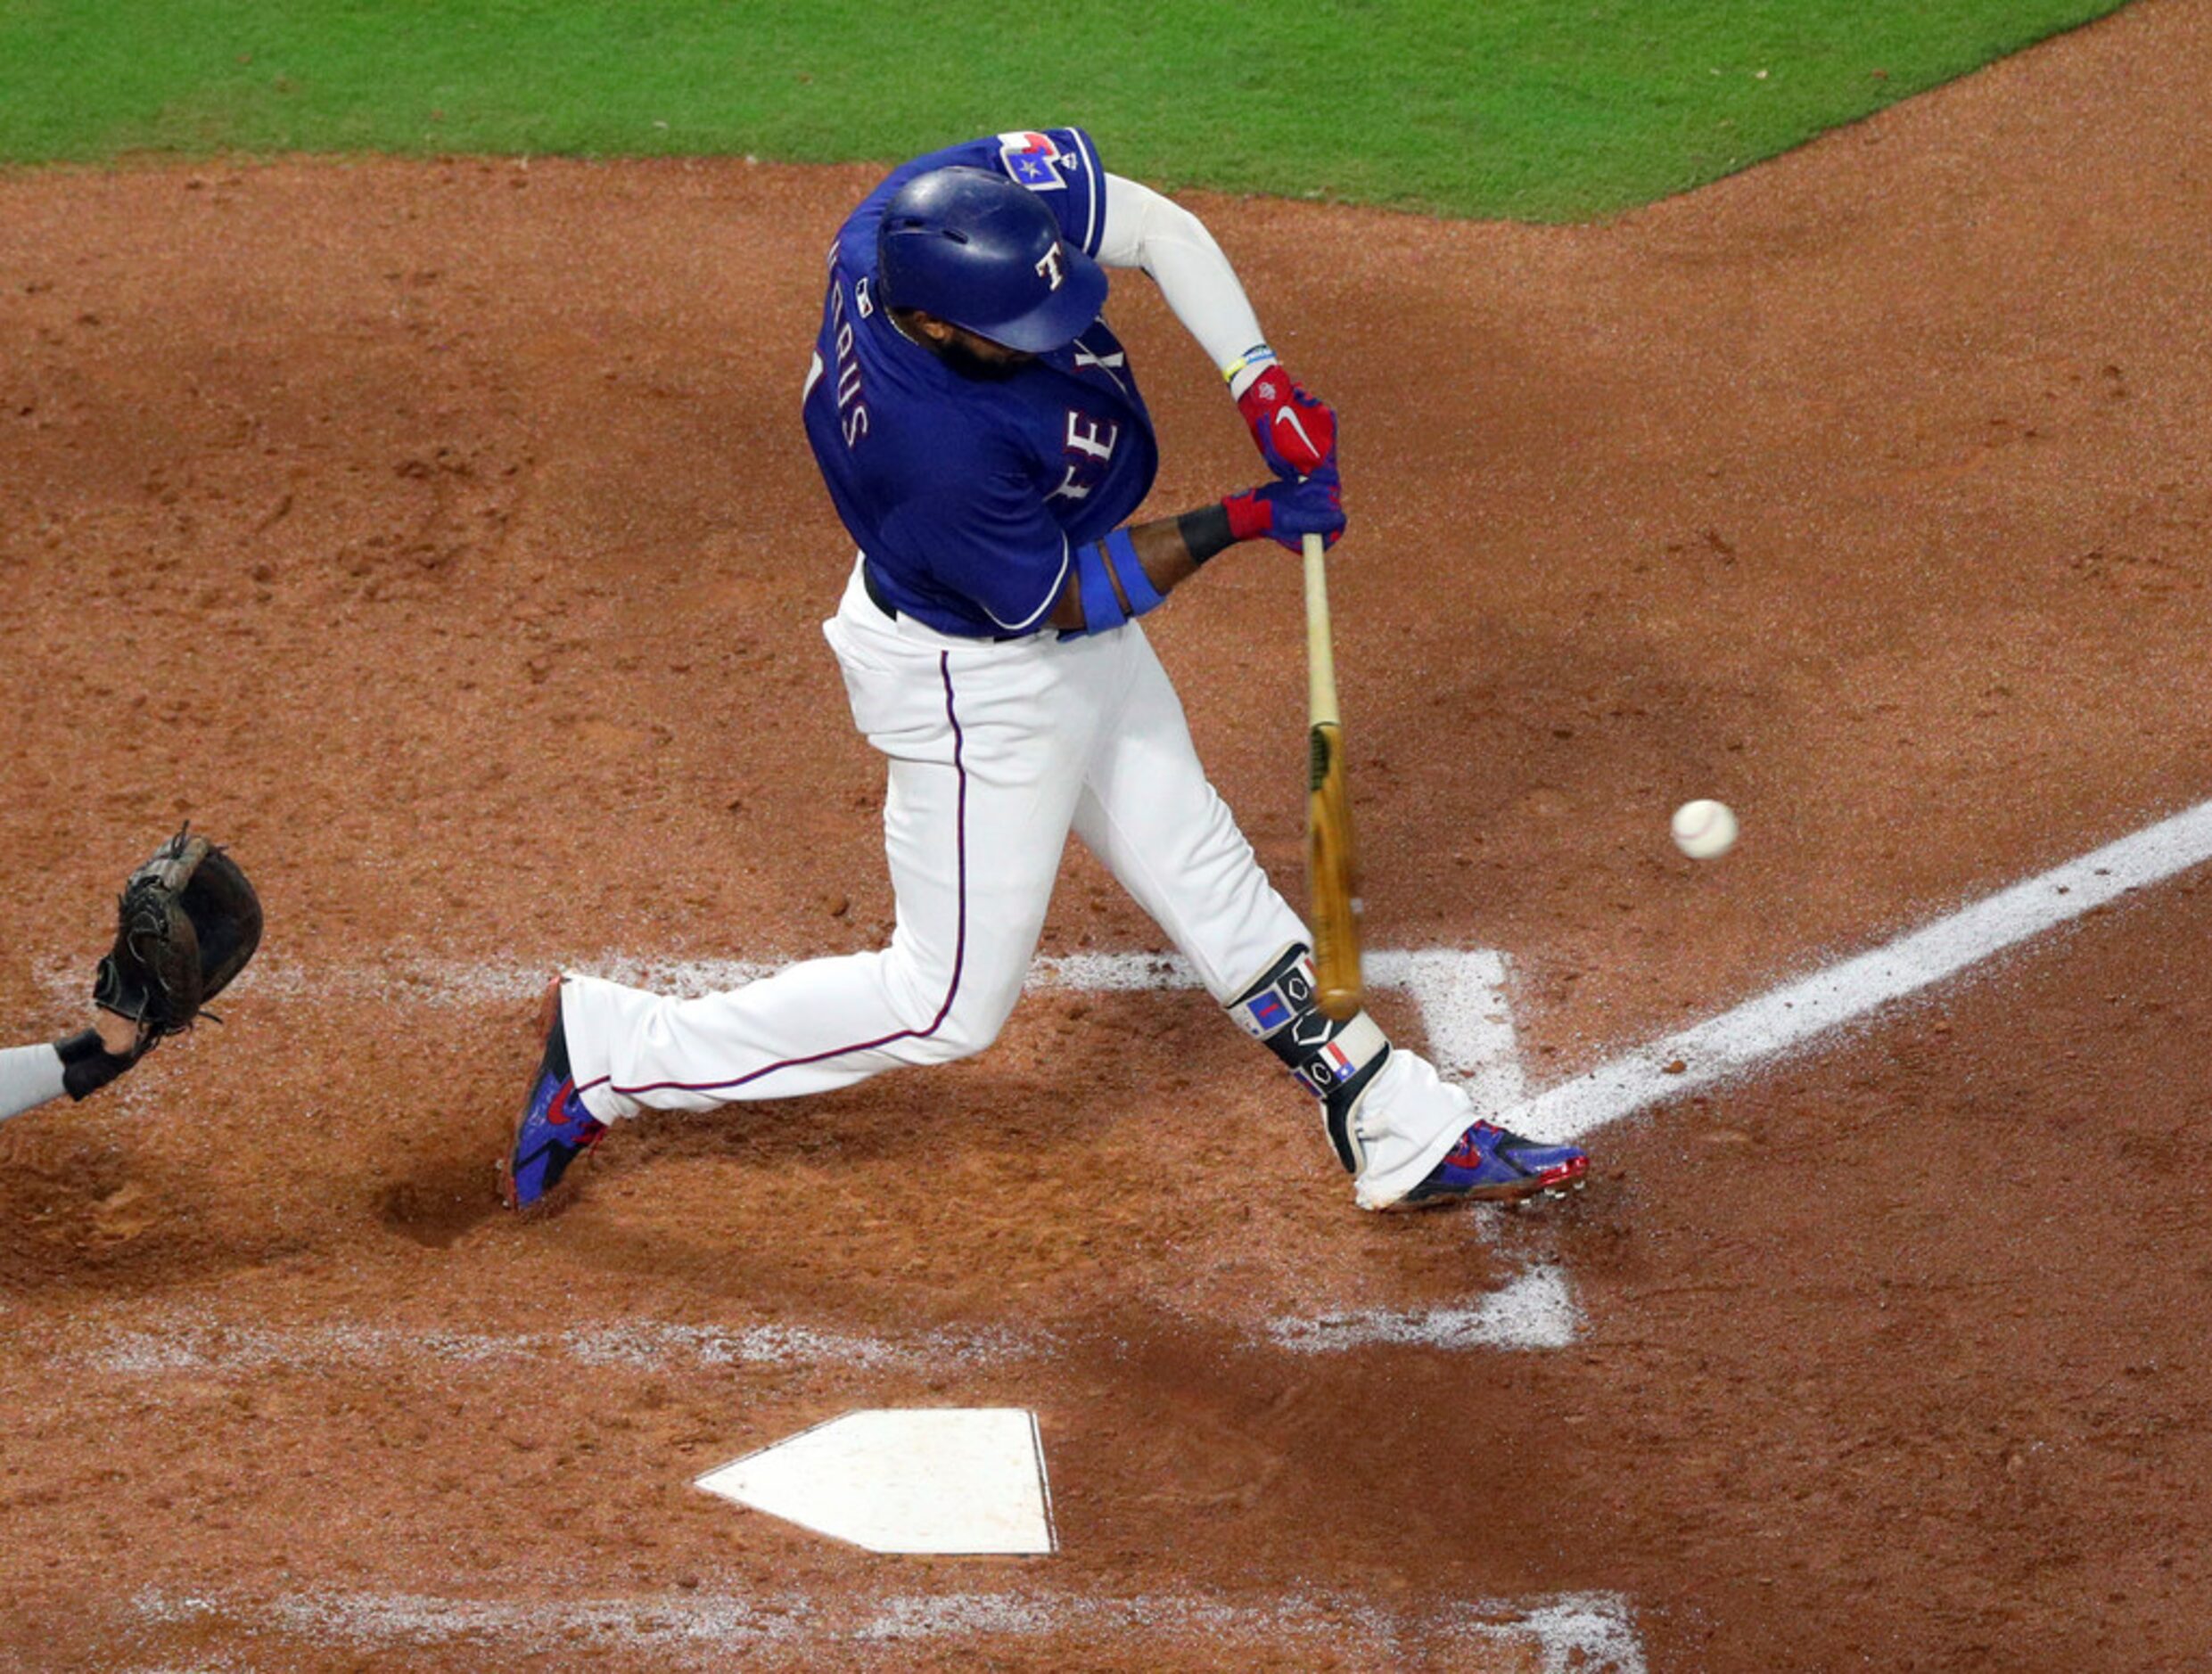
(188, 922)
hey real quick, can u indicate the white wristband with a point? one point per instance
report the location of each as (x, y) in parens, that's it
(1240, 371)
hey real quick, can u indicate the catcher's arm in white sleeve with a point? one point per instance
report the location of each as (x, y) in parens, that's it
(1294, 430)
(79, 1065)
(1145, 229)
(29, 1076)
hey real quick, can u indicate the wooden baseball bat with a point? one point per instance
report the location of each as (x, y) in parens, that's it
(1332, 863)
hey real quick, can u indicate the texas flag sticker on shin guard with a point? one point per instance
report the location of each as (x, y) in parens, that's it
(1029, 159)
(1333, 1063)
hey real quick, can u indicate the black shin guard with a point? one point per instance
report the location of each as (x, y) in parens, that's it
(1335, 1062)
(87, 1066)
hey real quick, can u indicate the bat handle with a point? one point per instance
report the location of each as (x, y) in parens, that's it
(1321, 643)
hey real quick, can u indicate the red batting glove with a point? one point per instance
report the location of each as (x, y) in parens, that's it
(1296, 434)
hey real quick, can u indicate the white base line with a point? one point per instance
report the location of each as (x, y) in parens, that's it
(1760, 1030)
(195, 1342)
(1533, 1310)
(1594, 1633)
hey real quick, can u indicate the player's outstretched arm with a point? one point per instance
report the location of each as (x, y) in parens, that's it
(29, 1076)
(1132, 570)
(32, 1075)
(1294, 430)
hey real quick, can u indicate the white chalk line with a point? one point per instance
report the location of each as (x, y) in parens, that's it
(1759, 1031)
(1533, 1310)
(1459, 993)
(180, 1341)
(1589, 1633)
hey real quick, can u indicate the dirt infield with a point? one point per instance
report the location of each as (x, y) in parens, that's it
(444, 538)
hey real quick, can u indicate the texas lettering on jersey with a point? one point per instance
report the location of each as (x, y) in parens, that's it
(1089, 450)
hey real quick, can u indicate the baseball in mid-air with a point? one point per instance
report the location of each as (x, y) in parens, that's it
(1705, 830)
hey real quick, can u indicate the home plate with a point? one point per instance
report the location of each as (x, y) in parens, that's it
(947, 1479)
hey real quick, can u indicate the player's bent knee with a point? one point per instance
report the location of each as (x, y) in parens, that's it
(938, 1049)
(963, 1033)
(954, 1014)
(952, 1041)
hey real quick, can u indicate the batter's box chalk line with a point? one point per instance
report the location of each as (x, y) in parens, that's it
(1760, 1031)
(1459, 993)
(1533, 1310)
(138, 1343)
(1568, 1633)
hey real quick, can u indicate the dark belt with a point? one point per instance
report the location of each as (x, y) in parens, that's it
(874, 589)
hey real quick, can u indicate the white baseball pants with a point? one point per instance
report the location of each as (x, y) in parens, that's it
(996, 751)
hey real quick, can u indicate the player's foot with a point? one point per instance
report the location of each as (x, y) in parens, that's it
(555, 1128)
(1490, 1165)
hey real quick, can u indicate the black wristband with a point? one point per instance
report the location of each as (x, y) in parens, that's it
(1205, 532)
(86, 1065)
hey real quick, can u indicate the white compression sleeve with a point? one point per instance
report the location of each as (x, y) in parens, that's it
(1144, 229)
(29, 1077)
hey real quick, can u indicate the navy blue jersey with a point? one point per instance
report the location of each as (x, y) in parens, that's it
(967, 494)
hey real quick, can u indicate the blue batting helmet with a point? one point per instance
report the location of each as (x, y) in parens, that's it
(973, 248)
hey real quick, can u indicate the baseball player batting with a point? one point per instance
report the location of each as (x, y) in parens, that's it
(981, 432)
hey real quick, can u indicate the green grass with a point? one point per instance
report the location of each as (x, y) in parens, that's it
(1544, 110)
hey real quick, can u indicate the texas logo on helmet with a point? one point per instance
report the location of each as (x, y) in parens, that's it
(1029, 159)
